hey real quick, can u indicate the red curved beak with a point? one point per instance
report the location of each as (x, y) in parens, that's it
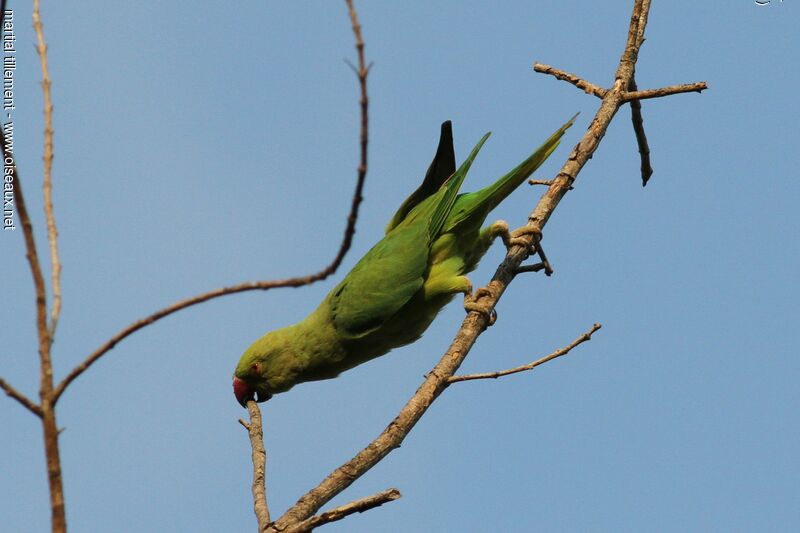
(243, 391)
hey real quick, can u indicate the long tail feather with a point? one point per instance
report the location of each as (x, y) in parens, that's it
(482, 202)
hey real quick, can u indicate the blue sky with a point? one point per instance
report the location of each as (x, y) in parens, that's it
(202, 147)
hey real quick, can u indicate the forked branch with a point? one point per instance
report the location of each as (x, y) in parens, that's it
(628, 92)
(45, 409)
(343, 511)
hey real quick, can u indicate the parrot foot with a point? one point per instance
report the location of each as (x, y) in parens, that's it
(536, 246)
(517, 238)
(500, 229)
(471, 303)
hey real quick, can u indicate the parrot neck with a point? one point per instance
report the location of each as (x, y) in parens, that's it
(301, 352)
(316, 333)
(318, 343)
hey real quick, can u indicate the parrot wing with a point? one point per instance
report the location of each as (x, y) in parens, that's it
(442, 167)
(389, 275)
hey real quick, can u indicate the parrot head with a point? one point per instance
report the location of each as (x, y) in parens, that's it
(267, 367)
(250, 380)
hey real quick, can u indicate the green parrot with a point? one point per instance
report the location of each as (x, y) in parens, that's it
(394, 292)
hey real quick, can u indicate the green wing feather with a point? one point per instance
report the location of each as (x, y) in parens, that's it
(387, 277)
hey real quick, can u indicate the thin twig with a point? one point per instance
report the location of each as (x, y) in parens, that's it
(530, 366)
(259, 455)
(361, 73)
(475, 323)
(343, 511)
(536, 267)
(300, 281)
(641, 137)
(21, 398)
(577, 81)
(47, 158)
(30, 245)
(697, 87)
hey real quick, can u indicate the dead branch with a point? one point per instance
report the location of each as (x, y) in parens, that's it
(47, 158)
(625, 93)
(530, 366)
(338, 513)
(536, 267)
(697, 87)
(30, 244)
(580, 83)
(641, 137)
(21, 398)
(49, 424)
(475, 323)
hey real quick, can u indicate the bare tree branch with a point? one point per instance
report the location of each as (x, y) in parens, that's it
(338, 513)
(475, 322)
(530, 366)
(361, 73)
(30, 246)
(696, 87)
(641, 137)
(537, 267)
(47, 158)
(580, 83)
(21, 398)
(255, 431)
(629, 93)
(49, 424)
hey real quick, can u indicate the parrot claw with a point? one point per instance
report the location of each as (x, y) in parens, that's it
(471, 304)
(516, 238)
(536, 246)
